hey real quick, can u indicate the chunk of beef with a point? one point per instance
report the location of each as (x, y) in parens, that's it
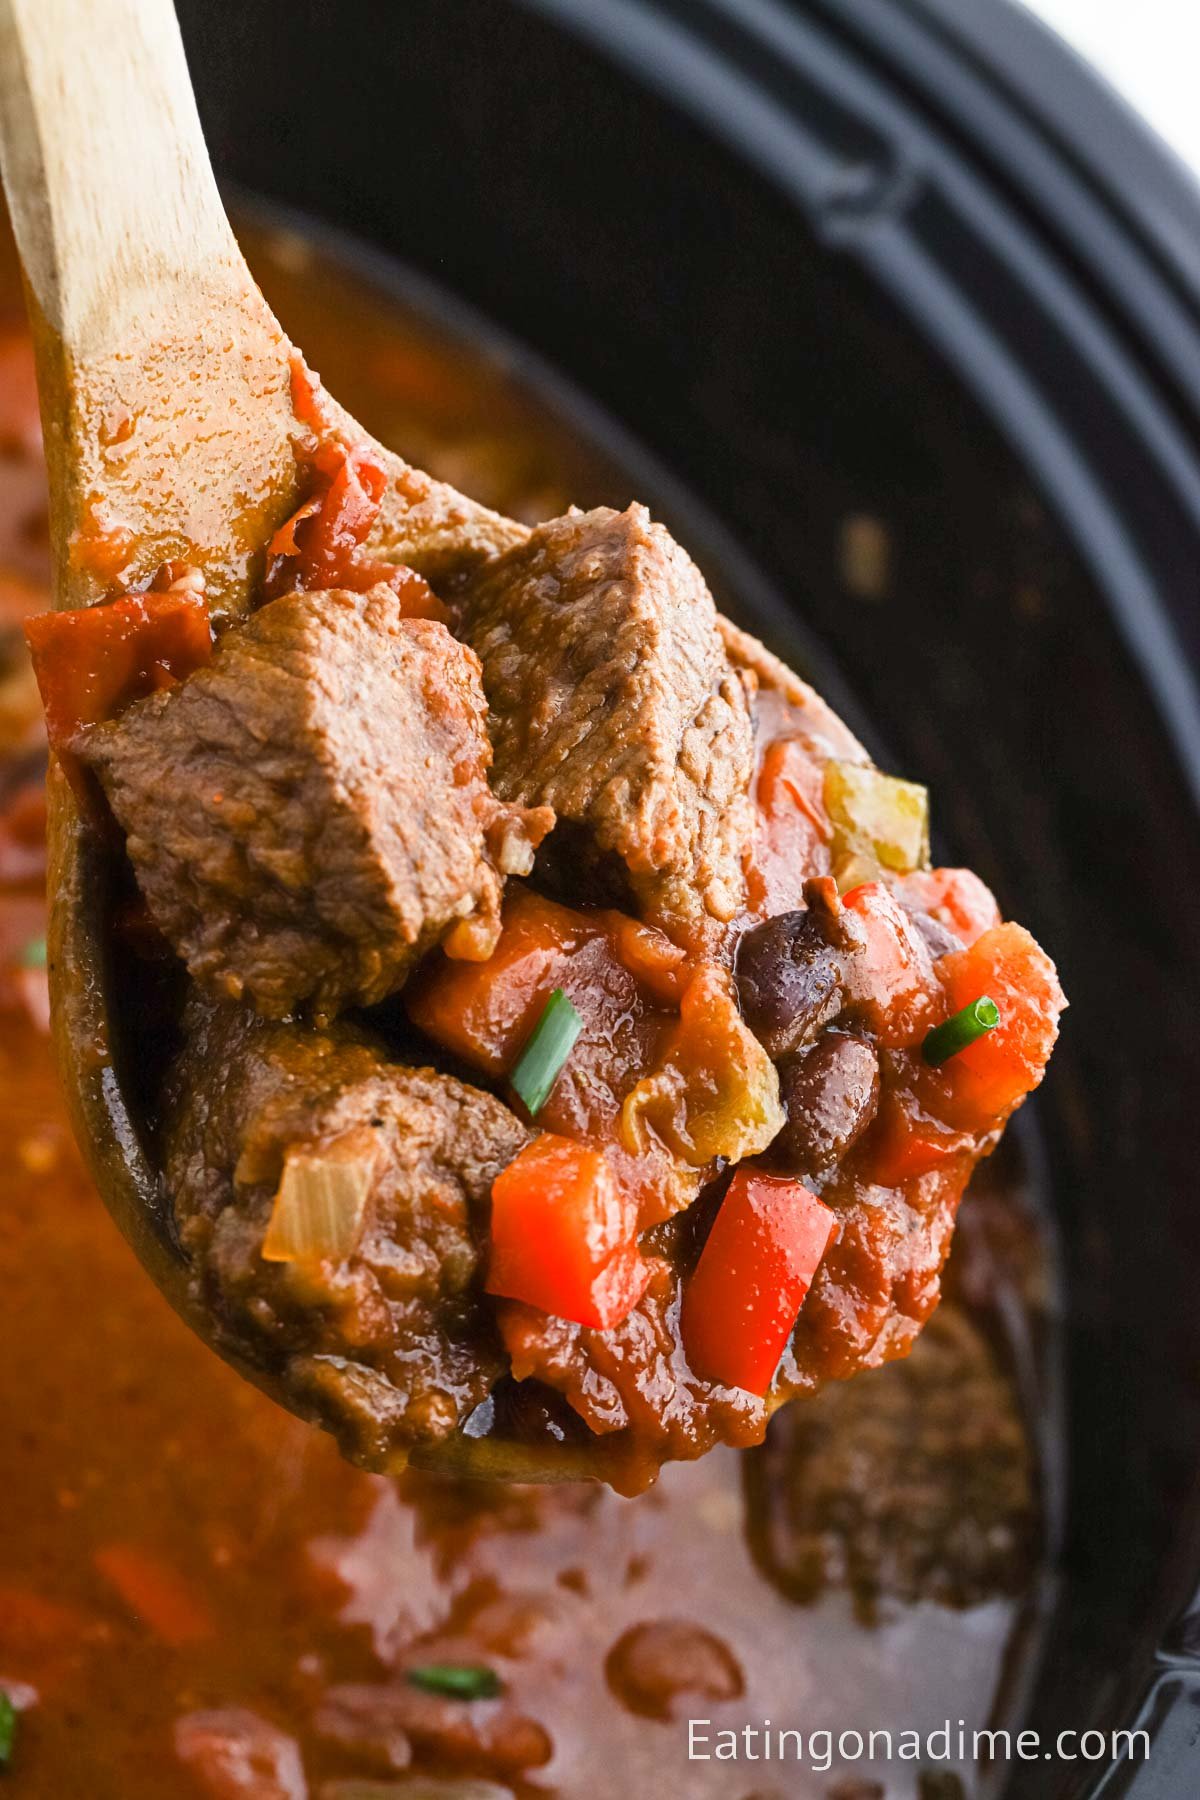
(391, 1339)
(612, 700)
(310, 813)
(913, 1486)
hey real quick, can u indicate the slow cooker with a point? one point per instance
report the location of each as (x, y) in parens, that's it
(908, 263)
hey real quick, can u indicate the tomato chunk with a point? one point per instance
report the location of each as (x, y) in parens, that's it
(564, 1235)
(956, 898)
(92, 661)
(753, 1276)
(890, 985)
(792, 840)
(907, 1140)
(619, 976)
(984, 1082)
(484, 1012)
(322, 544)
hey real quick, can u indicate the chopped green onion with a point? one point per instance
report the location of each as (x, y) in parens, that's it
(959, 1030)
(8, 1729)
(549, 1044)
(461, 1681)
(33, 956)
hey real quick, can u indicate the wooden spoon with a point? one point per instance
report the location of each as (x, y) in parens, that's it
(167, 411)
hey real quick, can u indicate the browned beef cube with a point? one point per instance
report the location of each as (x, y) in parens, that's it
(310, 813)
(387, 1335)
(913, 1486)
(612, 700)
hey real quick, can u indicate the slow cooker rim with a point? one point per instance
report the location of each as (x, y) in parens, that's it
(1120, 325)
(725, 65)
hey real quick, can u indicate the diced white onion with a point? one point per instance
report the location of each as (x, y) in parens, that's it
(323, 1194)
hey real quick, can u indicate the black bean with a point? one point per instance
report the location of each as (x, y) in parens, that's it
(830, 1093)
(790, 980)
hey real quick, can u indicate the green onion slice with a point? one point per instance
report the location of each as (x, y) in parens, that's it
(959, 1030)
(549, 1044)
(461, 1681)
(8, 1729)
(33, 956)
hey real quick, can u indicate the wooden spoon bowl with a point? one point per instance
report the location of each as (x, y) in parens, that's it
(166, 400)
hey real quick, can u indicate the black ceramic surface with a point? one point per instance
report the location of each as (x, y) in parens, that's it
(865, 258)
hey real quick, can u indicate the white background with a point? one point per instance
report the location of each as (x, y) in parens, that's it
(1148, 49)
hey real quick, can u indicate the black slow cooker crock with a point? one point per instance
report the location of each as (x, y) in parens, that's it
(904, 262)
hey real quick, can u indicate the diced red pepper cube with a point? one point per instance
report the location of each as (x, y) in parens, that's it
(564, 1235)
(344, 514)
(484, 1012)
(753, 1276)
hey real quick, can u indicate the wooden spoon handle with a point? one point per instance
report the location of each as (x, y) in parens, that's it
(111, 189)
(164, 377)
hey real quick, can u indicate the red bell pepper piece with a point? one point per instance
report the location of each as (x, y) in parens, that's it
(44, 1639)
(564, 1235)
(753, 1276)
(164, 1599)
